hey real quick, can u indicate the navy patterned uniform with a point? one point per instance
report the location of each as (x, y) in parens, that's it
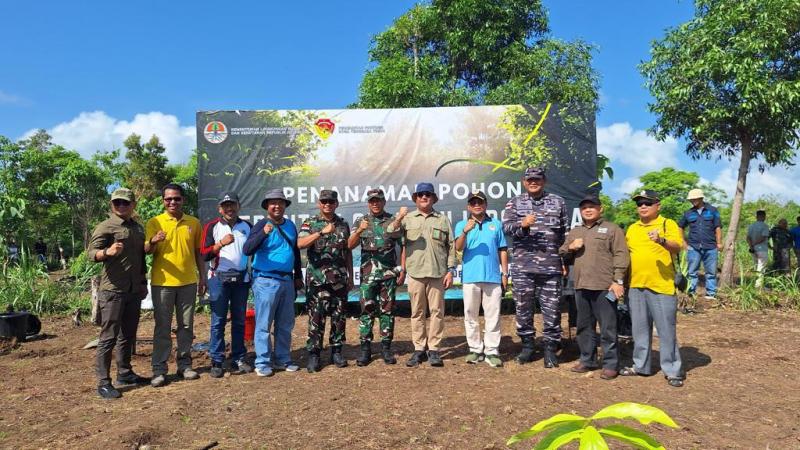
(535, 263)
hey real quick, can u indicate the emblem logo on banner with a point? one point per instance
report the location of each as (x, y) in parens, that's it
(215, 132)
(324, 128)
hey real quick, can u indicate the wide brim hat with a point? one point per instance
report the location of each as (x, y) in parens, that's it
(275, 194)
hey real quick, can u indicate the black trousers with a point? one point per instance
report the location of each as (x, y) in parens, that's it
(593, 307)
(119, 319)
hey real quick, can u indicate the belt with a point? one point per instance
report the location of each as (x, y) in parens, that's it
(274, 274)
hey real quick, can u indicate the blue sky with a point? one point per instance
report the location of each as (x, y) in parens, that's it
(92, 72)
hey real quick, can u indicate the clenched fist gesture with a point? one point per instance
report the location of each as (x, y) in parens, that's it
(402, 213)
(115, 249)
(160, 236)
(267, 228)
(470, 225)
(528, 220)
(363, 225)
(227, 239)
(576, 244)
(328, 228)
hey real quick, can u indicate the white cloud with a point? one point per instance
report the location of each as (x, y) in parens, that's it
(93, 131)
(635, 148)
(11, 99)
(628, 185)
(779, 182)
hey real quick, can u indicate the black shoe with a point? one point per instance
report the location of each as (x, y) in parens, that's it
(241, 367)
(435, 359)
(550, 358)
(526, 355)
(336, 357)
(366, 355)
(417, 358)
(313, 362)
(107, 391)
(216, 370)
(131, 378)
(387, 354)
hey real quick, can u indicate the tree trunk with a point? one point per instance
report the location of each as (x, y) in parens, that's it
(729, 263)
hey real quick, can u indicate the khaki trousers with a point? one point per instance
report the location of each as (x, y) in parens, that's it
(166, 301)
(488, 295)
(426, 293)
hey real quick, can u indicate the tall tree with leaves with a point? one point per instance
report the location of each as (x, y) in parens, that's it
(147, 169)
(728, 81)
(473, 52)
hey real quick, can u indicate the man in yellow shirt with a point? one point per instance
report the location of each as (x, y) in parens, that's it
(177, 277)
(653, 241)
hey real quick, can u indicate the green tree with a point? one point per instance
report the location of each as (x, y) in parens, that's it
(147, 169)
(727, 82)
(186, 176)
(472, 52)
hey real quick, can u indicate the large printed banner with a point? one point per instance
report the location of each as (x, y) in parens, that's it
(458, 149)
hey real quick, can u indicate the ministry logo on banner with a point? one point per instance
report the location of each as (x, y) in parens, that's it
(215, 132)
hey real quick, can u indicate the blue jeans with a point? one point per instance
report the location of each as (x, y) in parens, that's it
(709, 260)
(224, 296)
(274, 301)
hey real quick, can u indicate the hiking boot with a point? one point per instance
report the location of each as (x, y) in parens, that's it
(526, 355)
(473, 358)
(189, 374)
(108, 392)
(387, 354)
(313, 362)
(550, 358)
(158, 381)
(336, 357)
(131, 378)
(366, 355)
(416, 359)
(216, 370)
(435, 359)
(241, 367)
(493, 360)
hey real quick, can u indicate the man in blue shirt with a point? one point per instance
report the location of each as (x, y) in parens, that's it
(484, 278)
(705, 241)
(277, 277)
(795, 232)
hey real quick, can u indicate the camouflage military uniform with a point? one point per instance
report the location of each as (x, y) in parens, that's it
(326, 281)
(535, 263)
(378, 276)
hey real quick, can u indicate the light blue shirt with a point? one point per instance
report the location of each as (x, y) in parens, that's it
(481, 262)
(757, 231)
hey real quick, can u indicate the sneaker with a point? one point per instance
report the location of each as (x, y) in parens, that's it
(710, 297)
(675, 382)
(241, 367)
(473, 358)
(494, 361)
(132, 378)
(158, 381)
(416, 358)
(108, 392)
(216, 370)
(435, 359)
(290, 366)
(189, 374)
(265, 372)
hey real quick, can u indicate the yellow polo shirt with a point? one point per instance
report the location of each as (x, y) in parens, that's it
(174, 258)
(651, 263)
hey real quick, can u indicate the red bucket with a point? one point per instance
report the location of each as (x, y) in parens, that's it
(249, 324)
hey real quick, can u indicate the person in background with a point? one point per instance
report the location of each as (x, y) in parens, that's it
(757, 240)
(781, 247)
(704, 240)
(795, 232)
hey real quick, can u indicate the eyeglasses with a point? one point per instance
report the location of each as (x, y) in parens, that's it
(534, 180)
(476, 202)
(327, 202)
(424, 194)
(647, 203)
(173, 199)
(120, 202)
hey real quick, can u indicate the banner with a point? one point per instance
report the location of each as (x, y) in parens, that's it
(458, 149)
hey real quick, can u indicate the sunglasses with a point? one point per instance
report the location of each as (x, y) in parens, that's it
(424, 194)
(476, 202)
(648, 203)
(120, 202)
(173, 199)
(327, 202)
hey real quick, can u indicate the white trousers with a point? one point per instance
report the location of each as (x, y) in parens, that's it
(488, 295)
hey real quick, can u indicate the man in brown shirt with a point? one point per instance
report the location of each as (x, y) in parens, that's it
(601, 261)
(118, 242)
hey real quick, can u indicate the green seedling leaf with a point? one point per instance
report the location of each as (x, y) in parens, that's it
(631, 436)
(591, 440)
(560, 436)
(645, 414)
(558, 419)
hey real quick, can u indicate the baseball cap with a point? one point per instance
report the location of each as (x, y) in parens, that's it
(375, 193)
(646, 194)
(228, 197)
(590, 198)
(123, 194)
(534, 172)
(477, 194)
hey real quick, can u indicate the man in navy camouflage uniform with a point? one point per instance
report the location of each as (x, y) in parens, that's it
(329, 277)
(537, 222)
(379, 275)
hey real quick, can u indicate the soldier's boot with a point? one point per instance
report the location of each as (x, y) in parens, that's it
(550, 358)
(387, 353)
(526, 355)
(313, 361)
(366, 354)
(337, 358)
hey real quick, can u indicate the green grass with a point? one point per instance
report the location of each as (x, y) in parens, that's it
(26, 286)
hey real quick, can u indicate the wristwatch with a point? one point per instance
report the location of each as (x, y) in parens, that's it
(619, 282)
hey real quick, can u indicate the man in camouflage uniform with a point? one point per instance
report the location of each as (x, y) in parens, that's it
(379, 275)
(329, 277)
(537, 221)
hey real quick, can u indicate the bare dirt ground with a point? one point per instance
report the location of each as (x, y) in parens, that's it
(742, 391)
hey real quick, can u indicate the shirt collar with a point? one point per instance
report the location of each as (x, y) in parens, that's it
(433, 213)
(596, 223)
(117, 220)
